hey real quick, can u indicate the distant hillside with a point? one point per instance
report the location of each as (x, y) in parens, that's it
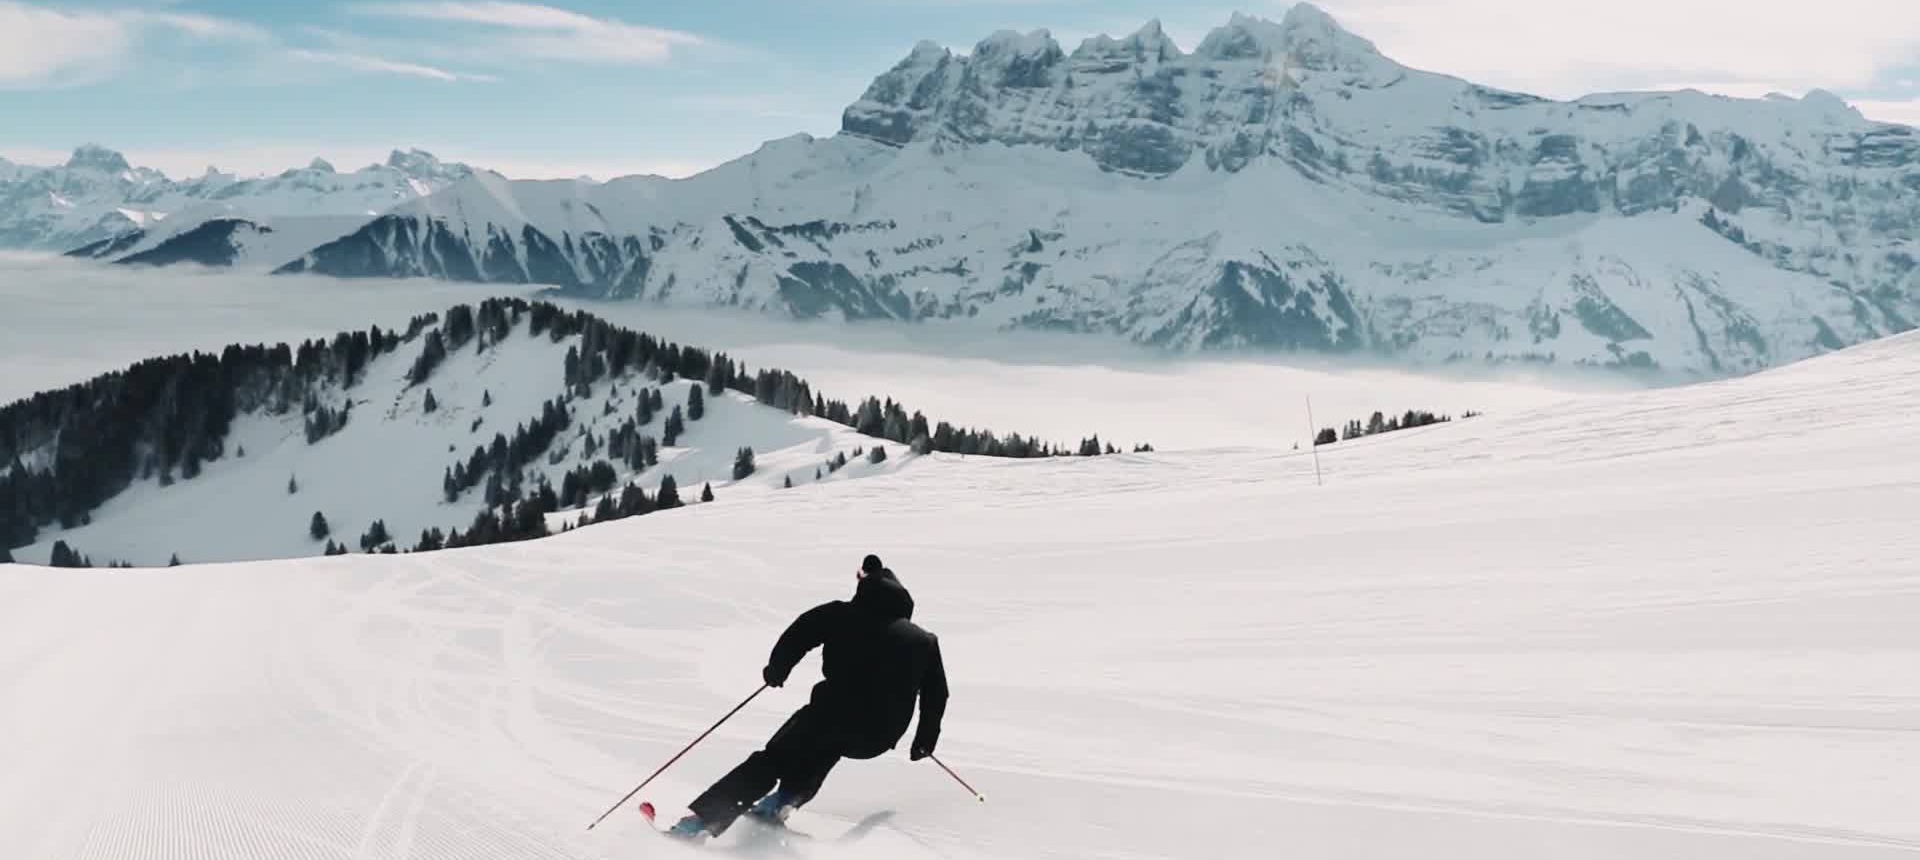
(502, 421)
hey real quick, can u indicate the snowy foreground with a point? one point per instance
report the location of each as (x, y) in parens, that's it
(1670, 624)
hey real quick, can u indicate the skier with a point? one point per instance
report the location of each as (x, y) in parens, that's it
(875, 662)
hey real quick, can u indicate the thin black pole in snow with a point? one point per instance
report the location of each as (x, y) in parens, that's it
(676, 757)
(1313, 439)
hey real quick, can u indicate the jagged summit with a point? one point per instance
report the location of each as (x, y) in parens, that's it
(415, 162)
(97, 203)
(1149, 43)
(1137, 104)
(1308, 18)
(95, 157)
(1306, 36)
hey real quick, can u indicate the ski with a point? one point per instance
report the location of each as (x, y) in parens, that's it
(776, 830)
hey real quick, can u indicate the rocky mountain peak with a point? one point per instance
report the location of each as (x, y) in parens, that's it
(1306, 37)
(411, 159)
(1010, 59)
(1149, 44)
(95, 157)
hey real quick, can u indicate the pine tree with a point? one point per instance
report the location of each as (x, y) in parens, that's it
(816, 473)
(675, 426)
(706, 492)
(375, 536)
(431, 404)
(293, 486)
(788, 480)
(434, 352)
(878, 455)
(634, 502)
(486, 399)
(174, 561)
(669, 495)
(696, 404)
(318, 528)
(1327, 436)
(643, 414)
(743, 463)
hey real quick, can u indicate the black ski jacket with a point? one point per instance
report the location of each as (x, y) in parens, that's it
(875, 662)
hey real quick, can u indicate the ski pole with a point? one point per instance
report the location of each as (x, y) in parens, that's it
(956, 778)
(676, 757)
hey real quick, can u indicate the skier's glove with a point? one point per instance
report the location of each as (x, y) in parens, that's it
(773, 677)
(921, 748)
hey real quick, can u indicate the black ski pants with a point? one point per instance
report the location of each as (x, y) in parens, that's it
(797, 758)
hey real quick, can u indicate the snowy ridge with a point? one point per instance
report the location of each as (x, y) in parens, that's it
(1442, 651)
(477, 412)
(97, 202)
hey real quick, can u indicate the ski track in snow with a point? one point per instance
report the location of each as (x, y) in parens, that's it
(1674, 623)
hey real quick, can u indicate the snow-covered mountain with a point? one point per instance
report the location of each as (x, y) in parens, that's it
(522, 412)
(1283, 185)
(96, 204)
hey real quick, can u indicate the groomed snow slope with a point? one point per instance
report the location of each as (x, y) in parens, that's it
(1671, 624)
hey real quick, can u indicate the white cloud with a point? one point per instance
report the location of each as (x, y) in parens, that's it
(1563, 51)
(545, 32)
(365, 63)
(201, 26)
(42, 47)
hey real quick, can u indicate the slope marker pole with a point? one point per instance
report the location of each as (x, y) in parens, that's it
(1313, 436)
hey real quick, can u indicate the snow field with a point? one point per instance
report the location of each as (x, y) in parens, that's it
(1666, 624)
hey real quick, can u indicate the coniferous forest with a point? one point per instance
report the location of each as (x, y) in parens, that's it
(65, 452)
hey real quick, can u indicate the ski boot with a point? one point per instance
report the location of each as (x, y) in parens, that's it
(690, 828)
(772, 809)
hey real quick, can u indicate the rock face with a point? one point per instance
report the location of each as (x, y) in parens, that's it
(1282, 186)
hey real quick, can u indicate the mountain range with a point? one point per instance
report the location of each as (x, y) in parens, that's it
(97, 204)
(1282, 186)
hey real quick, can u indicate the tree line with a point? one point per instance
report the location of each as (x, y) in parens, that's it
(64, 452)
(1380, 422)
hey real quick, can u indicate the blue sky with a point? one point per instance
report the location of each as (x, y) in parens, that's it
(603, 87)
